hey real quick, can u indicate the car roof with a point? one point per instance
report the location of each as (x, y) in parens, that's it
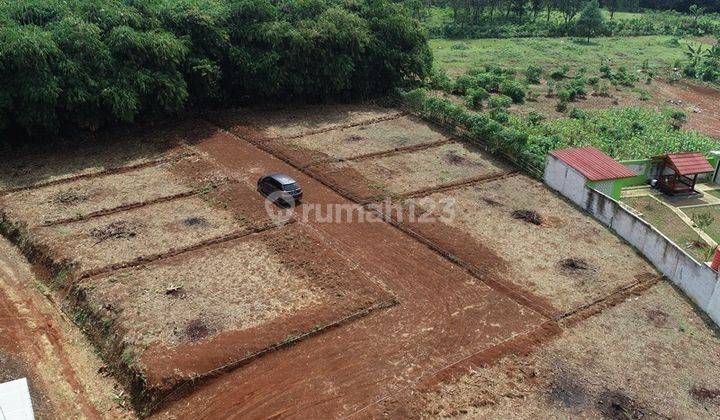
(282, 179)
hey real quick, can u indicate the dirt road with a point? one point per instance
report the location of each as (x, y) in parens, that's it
(37, 342)
(445, 315)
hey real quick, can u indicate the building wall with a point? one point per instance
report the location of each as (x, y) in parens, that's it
(699, 282)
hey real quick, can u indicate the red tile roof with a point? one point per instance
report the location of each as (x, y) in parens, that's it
(594, 164)
(689, 163)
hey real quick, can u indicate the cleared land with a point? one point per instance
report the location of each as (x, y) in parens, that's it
(549, 248)
(408, 173)
(649, 357)
(358, 141)
(203, 307)
(272, 123)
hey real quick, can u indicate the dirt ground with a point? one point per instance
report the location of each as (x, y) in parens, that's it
(126, 236)
(363, 140)
(273, 123)
(87, 196)
(233, 316)
(414, 171)
(559, 254)
(190, 314)
(38, 343)
(651, 356)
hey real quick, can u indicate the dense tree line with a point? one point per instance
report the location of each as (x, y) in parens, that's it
(89, 63)
(552, 18)
(680, 5)
(474, 10)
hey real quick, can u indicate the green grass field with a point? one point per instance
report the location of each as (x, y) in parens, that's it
(456, 56)
(670, 224)
(714, 212)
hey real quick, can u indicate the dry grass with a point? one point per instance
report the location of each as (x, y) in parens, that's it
(366, 139)
(86, 196)
(234, 287)
(646, 357)
(538, 253)
(273, 123)
(125, 236)
(428, 168)
(112, 150)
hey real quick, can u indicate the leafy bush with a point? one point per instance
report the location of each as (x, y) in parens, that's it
(499, 102)
(91, 63)
(561, 73)
(513, 89)
(623, 133)
(474, 97)
(533, 75)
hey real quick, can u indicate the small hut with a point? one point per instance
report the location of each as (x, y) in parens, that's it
(677, 173)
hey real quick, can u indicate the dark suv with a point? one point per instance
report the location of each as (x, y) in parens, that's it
(284, 190)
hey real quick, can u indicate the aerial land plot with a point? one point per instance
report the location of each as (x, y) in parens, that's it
(184, 316)
(652, 356)
(82, 197)
(542, 244)
(112, 150)
(258, 124)
(406, 173)
(363, 140)
(138, 233)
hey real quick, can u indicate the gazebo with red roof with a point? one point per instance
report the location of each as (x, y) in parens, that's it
(678, 172)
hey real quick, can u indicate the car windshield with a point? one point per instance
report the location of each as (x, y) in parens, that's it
(290, 187)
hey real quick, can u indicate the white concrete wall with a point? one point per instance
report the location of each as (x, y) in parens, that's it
(697, 280)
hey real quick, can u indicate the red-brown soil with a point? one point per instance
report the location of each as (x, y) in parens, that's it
(216, 338)
(702, 105)
(391, 310)
(37, 343)
(444, 315)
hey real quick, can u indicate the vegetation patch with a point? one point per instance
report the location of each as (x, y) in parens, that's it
(85, 64)
(670, 224)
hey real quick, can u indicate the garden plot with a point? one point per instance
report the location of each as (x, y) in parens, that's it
(547, 247)
(409, 172)
(352, 142)
(292, 122)
(86, 196)
(139, 233)
(186, 315)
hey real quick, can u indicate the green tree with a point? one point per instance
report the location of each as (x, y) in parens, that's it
(591, 21)
(696, 12)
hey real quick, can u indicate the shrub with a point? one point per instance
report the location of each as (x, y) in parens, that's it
(536, 118)
(440, 80)
(561, 73)
(499, 102)
(578, 114)
(677, 119)
(513, 89)
(533, 74)
(474, 97)
(561, 106)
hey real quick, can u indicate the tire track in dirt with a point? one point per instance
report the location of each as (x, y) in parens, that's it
(445, 314)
